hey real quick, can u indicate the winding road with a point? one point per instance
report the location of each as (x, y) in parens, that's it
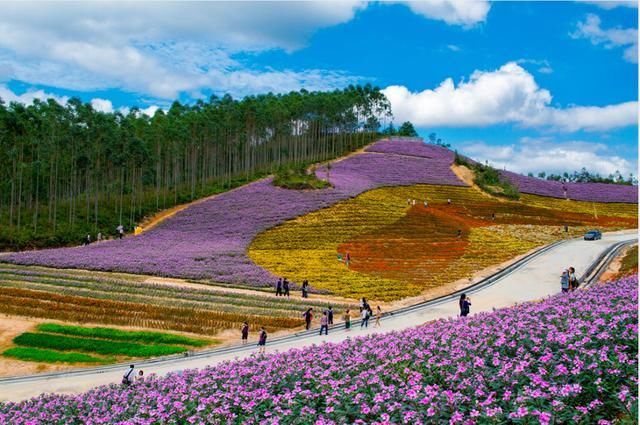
(534, 277)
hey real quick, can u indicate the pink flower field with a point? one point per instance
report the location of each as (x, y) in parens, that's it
(571, 358)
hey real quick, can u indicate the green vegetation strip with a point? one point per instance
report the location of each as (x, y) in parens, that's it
(120, 335)
(51, 356)
(91, 345)
(630, 261)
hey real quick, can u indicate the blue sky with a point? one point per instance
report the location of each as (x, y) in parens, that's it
(528, 85)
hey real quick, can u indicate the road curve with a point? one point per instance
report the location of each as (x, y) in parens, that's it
(532, 278)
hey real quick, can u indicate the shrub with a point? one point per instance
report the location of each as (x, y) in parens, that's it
(51, 356)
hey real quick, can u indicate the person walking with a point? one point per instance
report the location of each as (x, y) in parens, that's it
(99, 239)
(378, 317)
(127, 378)
(324, 323)
(347, 320)
(305, 288)
(285, 288)
(308, 316)
(465, 303)
(120, 230)
(330, 315)
(573, 280)
(564, 281)
(365, 318)
(347, 259)
(262, 340)
(245, 333)
(279, 287)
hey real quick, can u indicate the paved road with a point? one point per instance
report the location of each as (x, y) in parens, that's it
(532, 280)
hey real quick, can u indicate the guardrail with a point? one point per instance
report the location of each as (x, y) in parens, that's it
(598, 267)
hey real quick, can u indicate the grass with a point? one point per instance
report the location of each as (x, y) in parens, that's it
(299, 179)
(51, 356)
(120, 335)
(629, 262)
(92, 345)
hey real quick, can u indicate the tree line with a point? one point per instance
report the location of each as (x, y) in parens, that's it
(585, 176)
(70, 170)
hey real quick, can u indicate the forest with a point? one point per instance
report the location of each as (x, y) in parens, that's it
(70, 170)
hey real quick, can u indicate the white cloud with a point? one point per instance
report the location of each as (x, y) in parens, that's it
(166, 49)
(7, 95)
(611, 4)
(453, 47)
(453, 12)
(611, 38)
(102, 105)
(544, 67)
(536, 155)
(509, 94)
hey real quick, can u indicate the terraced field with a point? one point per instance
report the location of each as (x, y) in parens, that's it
(400, 250)
(123, 300)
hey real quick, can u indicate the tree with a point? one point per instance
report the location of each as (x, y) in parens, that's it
(407, 130)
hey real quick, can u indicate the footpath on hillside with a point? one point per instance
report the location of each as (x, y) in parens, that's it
(532, 280)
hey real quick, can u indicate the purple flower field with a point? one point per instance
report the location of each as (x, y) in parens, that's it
(209, 240)
(572, 358)
(596, 192)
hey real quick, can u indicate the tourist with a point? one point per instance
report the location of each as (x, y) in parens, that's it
(120, 230)
(378, 317)
(262, 341)
(347, 320)
(127, 378)
(245, 333)
(564, 281)
(324, 323)
(330, 315)
(573, 280)
(414, 202)
(279, 287)
(409, 201)
(140, 376)
(365, 318)
(465, 303)
(363, 303)
(308, 316)
(305, 288)
(426, 203)
(493, 216)
(448, 201)
(459, 233)
(347, 258)
(99, 238)
(566, 228)
(285, 288)
(87, 240)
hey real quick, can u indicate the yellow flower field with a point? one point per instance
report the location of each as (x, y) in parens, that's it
(399, 250)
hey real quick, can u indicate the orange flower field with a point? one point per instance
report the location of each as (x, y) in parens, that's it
(399, 250)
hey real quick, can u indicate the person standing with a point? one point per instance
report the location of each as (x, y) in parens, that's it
(99, 239)
(285, 288)
(330, 315)
(449, 201)
(245, 333)
(127, 378)
(308, 316)
(573, 280)
(140, 376)
(365, 318)
(564, 281)
(262, 340)
(87, 240)
(459, 233)
(120, 230)
(305, 288)
(426, 204)
(324, 323)
(347, 320)
(378, 317)
(347, 259)
(279, 287)
(465, 304)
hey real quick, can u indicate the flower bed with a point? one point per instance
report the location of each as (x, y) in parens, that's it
(572, 358)
(399, 250)
(210, 239)
(596, 192)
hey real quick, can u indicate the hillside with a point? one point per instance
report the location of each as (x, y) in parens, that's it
(571, 358)
(211, 239)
